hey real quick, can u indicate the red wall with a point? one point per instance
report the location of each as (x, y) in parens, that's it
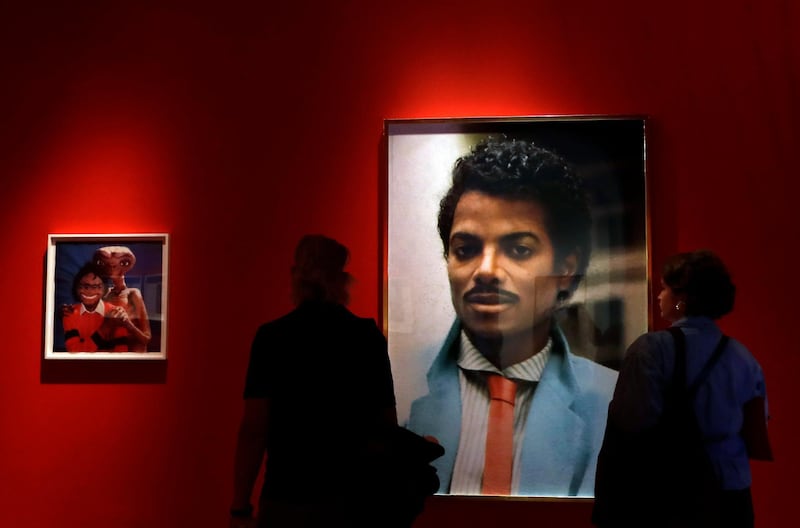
(238, 129)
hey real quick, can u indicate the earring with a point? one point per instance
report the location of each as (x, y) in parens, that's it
(679, 306)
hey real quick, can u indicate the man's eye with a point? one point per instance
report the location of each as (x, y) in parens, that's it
(465, 252)
(518, 251)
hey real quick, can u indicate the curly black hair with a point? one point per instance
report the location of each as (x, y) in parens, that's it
(520, 170)
(703, 278)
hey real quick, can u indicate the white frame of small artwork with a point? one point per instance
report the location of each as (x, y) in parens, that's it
(66, 253)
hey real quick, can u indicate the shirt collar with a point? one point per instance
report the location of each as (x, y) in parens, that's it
(100, 309)
(469, 358)
(695, 321)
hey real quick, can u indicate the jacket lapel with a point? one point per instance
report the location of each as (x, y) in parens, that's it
(554, 432)
(439, 413)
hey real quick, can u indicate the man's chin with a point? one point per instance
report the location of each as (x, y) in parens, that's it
(494, 330)
(484, 329)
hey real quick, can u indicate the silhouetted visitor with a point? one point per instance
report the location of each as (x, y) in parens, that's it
(319, 402)
(641, 481)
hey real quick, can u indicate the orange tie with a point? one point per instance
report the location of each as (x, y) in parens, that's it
(499, 437)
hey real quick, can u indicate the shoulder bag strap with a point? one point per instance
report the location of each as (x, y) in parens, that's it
(679, 375)
(701, 378)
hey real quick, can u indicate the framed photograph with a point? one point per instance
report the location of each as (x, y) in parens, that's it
(515, 247)
(106, 297)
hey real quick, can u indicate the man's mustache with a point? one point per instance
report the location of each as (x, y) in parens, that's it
(481, 292)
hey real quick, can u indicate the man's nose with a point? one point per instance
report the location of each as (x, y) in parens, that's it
(488, 266)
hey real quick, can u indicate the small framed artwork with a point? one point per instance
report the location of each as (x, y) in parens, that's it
(514, 247)
(106, 296)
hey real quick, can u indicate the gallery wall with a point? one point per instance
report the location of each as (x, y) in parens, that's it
(238, 127)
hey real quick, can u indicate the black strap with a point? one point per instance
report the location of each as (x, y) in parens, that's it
(679, 373)
(701, 378)
(679, 376)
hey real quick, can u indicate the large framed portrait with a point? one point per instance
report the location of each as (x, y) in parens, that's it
(106, 296)
(514, 248)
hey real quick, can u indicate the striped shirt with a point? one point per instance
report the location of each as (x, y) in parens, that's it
(473, 368)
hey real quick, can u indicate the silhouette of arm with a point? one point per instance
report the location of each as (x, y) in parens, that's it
(389, 416)
(754, 430)
(250, 450)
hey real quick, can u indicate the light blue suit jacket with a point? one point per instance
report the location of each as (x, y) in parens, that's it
(563, 432)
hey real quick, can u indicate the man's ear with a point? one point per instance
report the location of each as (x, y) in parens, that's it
(569, 266)
(567, 270)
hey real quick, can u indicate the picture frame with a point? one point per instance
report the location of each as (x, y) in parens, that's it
(131, 273)
(608, 309)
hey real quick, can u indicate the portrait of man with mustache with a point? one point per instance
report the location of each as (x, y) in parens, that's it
(517, 411)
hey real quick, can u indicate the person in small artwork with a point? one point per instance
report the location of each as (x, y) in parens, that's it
(115, 262)
(91, 324)
(318, 386)
(730, 408)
